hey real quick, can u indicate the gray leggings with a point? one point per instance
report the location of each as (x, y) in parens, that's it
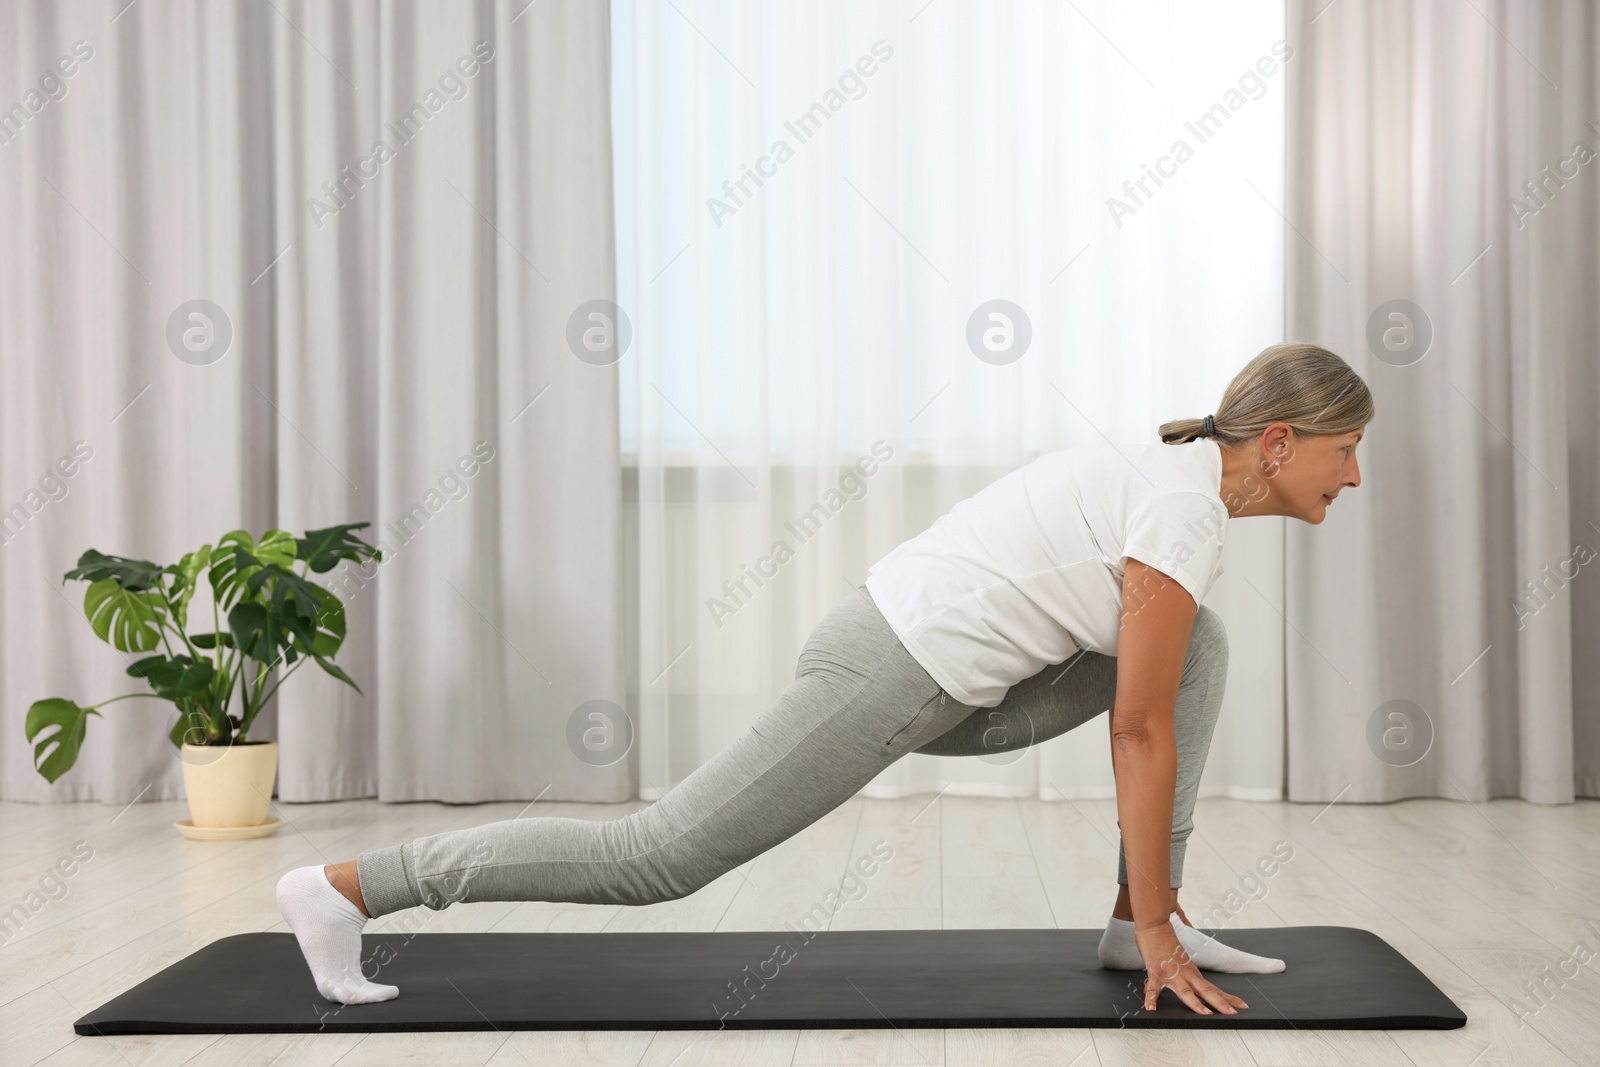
(859, 702)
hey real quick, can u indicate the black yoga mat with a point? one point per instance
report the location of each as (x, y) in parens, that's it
(1337, 977)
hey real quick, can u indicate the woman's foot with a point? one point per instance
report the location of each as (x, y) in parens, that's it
(1209, 954)
(327, 924)
(1119, 951)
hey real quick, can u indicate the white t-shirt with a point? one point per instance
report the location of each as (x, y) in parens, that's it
(1029, 570)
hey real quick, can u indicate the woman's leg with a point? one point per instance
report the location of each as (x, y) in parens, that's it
(1064, 696)
(857, 703)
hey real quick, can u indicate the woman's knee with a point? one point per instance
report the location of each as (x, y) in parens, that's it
(664, 869)
(652, 883)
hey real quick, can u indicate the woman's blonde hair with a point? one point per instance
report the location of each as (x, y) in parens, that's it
(1299, 383)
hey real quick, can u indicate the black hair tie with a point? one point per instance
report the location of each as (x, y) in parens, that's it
(1209, 429)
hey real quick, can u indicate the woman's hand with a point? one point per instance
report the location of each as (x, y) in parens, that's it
(1168, 966)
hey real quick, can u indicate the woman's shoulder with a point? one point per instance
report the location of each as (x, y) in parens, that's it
(1158, 466)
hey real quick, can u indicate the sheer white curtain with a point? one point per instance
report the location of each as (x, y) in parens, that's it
(813, 200)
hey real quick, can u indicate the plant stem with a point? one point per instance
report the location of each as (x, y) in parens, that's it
(280, 681)
(194, 653)
(261, 683)
(189, 713)
(256, 703)
(227, 696)
(244, 690)
(216, 626)
(127, 696)
(166, 623)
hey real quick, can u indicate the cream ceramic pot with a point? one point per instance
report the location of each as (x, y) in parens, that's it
(229, 785)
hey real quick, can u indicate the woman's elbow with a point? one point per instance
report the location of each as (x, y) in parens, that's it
(1139, 733)
(1134, 737)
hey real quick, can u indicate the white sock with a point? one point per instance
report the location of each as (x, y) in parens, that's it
(1119, 951)
(328, 926)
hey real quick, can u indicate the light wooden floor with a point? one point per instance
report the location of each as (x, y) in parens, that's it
(1482, 897)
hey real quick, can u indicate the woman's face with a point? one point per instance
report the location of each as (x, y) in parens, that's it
(1315, 469)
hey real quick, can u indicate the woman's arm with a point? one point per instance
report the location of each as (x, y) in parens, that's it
(1157, 617)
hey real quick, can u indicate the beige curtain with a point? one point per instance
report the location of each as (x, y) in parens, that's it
(1444, 200)
(399, 354)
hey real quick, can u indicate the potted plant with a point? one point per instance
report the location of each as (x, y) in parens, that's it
(274, 614)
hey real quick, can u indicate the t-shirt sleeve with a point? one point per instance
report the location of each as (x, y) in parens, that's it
(1179, 534)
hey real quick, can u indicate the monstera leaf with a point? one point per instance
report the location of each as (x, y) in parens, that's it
(330, 635)
(134, 575)
(259, 632)
(292, 595)
(187, 571)
(321, 549)
(335, 670)
(295, 602)
(299, 618)
(326, 634)
(327, 629)
(238, 556)
(71, 724)
(175, 678)
(129, 620)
